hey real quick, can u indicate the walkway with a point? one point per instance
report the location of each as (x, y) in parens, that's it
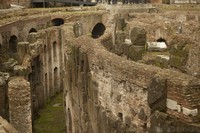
(52, 118)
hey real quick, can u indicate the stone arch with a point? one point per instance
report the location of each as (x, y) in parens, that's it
(161, 40)
(13, 41)
(14, 31)
(57, 21)
(98, 30)
(69, 121)
(32, 30)
(28, 28)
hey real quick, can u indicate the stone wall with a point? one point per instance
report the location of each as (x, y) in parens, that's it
(103, 87)
(26, 3)
(19, 94)
(3, 95)
(184, 1)
(4, 4)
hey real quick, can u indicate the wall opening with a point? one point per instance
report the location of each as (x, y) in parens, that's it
(36, 86)
(32, 30)
(54, 51)
(161, 40)
(98, 30)
(57, 21)
(13, 44)
(69, 121)
(56, 79)
(46, 87)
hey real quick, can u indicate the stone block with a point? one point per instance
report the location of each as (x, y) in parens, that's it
(161, 122)
(157, 93)
(19, 94)
(171, 104)
(107, 42)
(22, 49)
(156, 46)
(191, 112)
(142, 115)
(20, 70)
(138, 36)
(178, 62)
(179, 52)
(33, 37)
(162, 61)
(78, 29)
(9, 65)
(136, 52)
(126, 46)
(120, 38)
(120, 24)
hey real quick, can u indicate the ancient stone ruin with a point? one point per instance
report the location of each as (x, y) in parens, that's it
(122, 69)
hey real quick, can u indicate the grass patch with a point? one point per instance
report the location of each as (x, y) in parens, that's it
(52, 118)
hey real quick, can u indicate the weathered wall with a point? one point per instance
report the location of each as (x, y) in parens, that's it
(184, 1)
(4, 4)
(103, 87)
(19, 94)
(3, 95)
(26, 3)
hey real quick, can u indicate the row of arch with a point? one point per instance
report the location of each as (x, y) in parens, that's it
(13, 40)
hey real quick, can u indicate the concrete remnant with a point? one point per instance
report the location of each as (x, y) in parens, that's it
(138, 36)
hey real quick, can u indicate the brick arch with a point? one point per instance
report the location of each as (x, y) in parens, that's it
(98, 30)
(32, 30)
(57, 21)
(14, 31)
(27, 28)
(13, 41)
(161, 35)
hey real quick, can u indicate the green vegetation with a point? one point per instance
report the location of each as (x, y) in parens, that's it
(52, 118)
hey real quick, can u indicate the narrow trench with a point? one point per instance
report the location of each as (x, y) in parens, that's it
(51, 117)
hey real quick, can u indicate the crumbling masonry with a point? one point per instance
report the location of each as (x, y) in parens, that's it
(113, 82)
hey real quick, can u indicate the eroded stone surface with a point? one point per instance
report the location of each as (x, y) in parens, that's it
(19, 93)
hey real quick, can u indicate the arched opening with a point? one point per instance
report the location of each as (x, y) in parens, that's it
(57, 21)
(98, 30)
(54, 51)
(45, 54)
(32, 30)
(69, 121)
(13, 44)
(161, 40)
(56, 79)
